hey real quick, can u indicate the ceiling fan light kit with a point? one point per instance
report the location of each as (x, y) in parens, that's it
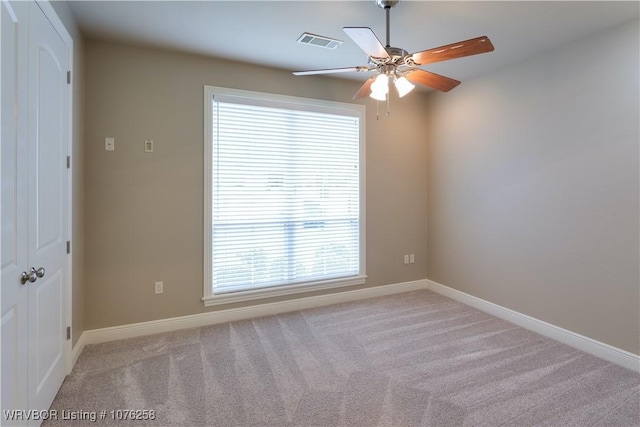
(380, 87)
(403, 86)
(397, 65)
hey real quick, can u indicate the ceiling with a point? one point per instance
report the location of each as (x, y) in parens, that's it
(265, 32)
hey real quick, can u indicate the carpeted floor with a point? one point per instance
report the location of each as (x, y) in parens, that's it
(412, 359)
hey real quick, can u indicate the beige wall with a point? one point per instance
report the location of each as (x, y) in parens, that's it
(531, 177)
(144, 211)
(533, 188)
(77, 167)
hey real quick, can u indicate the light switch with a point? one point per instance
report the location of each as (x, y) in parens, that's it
(109, 144)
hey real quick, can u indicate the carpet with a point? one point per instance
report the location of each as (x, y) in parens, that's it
(411, 359)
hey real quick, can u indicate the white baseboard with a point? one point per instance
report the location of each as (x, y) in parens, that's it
(77, 349)
(96, 336)
(588, 345)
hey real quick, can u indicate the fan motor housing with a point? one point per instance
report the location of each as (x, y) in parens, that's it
(396, 53)
(396, 57)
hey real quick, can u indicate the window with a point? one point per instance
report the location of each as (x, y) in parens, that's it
(284, 195)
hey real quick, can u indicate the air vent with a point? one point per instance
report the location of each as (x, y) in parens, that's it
(320, 41)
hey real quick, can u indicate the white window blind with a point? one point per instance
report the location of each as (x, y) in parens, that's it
(285, 194)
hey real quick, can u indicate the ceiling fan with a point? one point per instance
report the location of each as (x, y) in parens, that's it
(398, 65)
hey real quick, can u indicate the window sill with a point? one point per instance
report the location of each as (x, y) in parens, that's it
(277, 291)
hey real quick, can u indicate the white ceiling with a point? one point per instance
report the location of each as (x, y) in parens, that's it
(265, 32)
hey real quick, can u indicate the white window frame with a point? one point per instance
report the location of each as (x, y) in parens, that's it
(283, 101)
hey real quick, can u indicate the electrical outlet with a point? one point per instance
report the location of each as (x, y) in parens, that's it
(406, 259)
(148, 145)
(412, 258)
(159, 287)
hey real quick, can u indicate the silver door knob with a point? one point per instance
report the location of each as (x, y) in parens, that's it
(31, 276)
(39, 272)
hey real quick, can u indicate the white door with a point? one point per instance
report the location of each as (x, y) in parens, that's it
(13, 135)
(34, 208)
(47, 212)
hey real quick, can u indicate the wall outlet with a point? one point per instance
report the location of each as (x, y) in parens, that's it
(148, 145)
(412, 258)
(159, 287)
(406, 259)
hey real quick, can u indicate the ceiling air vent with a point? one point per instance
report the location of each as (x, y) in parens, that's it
(320, 41)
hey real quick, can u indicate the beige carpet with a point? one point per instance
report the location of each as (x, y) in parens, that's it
(413, 359)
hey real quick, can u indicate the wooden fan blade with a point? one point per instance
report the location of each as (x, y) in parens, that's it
(367, 40)
(331, 71)
(365, 89)
(453, 51)
(436, 81)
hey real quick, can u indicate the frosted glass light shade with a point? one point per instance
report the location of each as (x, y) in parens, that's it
(403, 86)
(380, 87)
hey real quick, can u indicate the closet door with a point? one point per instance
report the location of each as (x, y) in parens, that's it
(14, 39)
(47, 212)
(35, 138)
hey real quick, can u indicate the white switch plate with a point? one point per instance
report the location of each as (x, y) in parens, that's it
(159, 287)
(412, 258)
(109, 144)
(148, 145)
(406, 259)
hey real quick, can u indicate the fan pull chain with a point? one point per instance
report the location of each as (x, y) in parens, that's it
(378, 108)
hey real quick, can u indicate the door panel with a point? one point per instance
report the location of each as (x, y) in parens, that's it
(12, 395)
(49, 150)
(9, 129)
(47, 200)
(48, 324)
(13, 133)
(48, 142)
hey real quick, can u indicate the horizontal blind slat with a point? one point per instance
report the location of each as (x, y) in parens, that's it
(285, 199)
